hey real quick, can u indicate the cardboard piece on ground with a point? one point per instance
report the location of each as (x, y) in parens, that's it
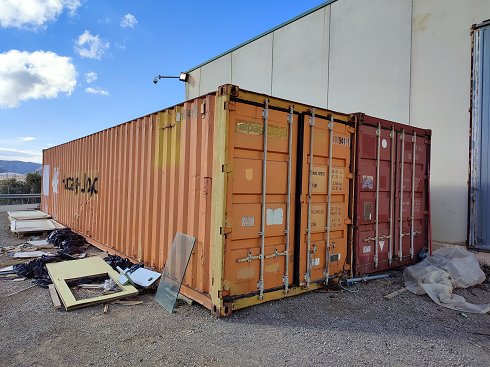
(36, 225)
(141, 276)
(39, 243)
(54, 296)
(76, 269)
(27, 215)
(7, 270)
(29, 254)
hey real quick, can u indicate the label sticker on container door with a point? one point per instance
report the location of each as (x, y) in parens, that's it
(367, 182)
(337, 179)
(366, 249)
(315, 261)
(274, 216)
(319, 179)
(335, 217)
(381, 244)
(248, 221)
(318, 217)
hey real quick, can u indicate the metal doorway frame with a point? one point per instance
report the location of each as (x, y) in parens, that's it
(475, 136)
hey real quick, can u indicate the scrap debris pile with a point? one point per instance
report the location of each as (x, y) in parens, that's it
(71, 268)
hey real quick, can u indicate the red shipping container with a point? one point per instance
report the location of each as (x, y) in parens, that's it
(391, 224)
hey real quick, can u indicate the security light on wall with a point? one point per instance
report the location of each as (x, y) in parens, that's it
(182, 77)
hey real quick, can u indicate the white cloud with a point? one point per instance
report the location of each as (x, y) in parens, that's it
(34, 75)
(90, 46)
(90, 77)
(33, 13)
(97, 90)
(71, 5)
(27, 138)
(11, 154)
(128, 21)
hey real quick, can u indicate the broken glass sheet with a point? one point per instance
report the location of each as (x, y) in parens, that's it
(174, 271)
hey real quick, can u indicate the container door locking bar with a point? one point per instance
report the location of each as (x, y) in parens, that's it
(392, 191)
(329, 199)
(287, 232)
(378, 153)
(414, 145)
(400, 245)
(310, 184)
(265, 117)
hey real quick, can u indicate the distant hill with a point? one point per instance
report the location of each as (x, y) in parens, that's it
(19, 166)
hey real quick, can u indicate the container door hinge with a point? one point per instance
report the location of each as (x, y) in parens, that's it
(224, 230)
(203, 107)
(230, 106)
(226, 168)
(350, 130)
(350, 175)
(348, 221)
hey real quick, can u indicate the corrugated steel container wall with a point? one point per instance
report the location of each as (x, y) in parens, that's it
(198, 168)
(130, 188)
(391, 224)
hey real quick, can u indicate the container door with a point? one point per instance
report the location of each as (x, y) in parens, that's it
(376, 153)
(324, 199)
(479, 236)
(411, 201)
(262, 163)
(392, 202)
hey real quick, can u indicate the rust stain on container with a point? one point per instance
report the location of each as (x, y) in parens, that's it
(198, 168)
(391, 203)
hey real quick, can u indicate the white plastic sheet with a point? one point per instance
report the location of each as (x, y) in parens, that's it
(448, 268)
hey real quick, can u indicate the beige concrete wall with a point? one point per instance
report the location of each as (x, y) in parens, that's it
(370, 57)
(404, 60)
(304, 42)
(251, 65)
(440, 99)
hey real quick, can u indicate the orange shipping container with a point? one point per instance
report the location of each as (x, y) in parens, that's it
(231, 169)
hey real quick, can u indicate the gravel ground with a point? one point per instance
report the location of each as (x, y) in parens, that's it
(320, 328)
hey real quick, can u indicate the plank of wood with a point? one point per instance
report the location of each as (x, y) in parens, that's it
(30, 254)
(128, 303)
(395, 293)
(22, 290)
(54, 296)
(91, 286)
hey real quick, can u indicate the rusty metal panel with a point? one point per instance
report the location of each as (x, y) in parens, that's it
(392, 214)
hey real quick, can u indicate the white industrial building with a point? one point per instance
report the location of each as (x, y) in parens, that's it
(404, 60)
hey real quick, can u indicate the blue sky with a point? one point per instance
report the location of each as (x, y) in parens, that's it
(69, 68)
